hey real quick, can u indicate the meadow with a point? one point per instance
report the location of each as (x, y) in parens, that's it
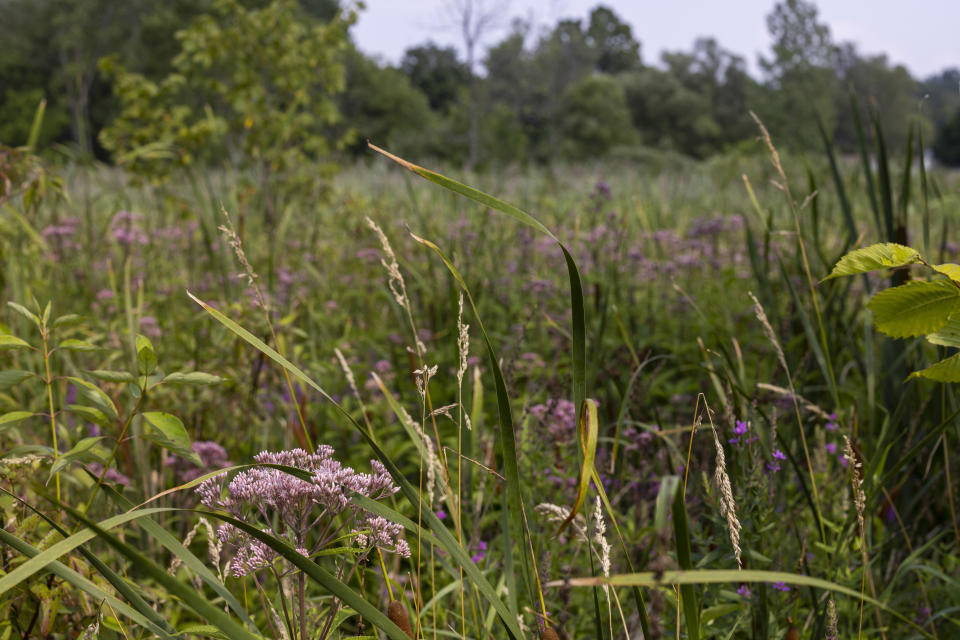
(606, 400)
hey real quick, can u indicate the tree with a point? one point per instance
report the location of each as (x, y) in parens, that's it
(437, 72)
(252, 86)
(475, 19)
(947, 146)
(595, 117)
(614, 47)
(801, 82)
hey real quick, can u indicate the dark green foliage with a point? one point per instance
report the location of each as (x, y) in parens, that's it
(947, 145)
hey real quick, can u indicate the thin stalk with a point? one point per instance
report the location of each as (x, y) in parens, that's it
(44, 334)
(113, 454)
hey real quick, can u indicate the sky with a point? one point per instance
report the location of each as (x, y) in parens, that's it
(923, 35)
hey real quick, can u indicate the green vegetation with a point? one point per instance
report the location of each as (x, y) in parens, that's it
(677, 382)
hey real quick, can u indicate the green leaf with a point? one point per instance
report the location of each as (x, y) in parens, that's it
(948, 335)
(96, 396)
(173, 435)
(952, 271)
(112, 376)
(8, 341)
(193, 378)
(83, 450)
(72, 344)
(146, 356)
(26, 313)
(13, 417)
(588, 428)
(69, 320)
(947, 370)
(915, 308)
(885, 255)
(91, 414)
(13, 377)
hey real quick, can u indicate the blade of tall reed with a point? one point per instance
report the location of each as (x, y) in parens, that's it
(37, 125)
(688, 595)
(72, 577)
(845, 207)
(189, 560)
(446, 539)
(731, 576)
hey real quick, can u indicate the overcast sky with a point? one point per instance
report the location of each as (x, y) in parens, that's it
(924, 35)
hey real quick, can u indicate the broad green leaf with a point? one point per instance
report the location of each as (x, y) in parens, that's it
(173, 435)
(952, 271)
(948, 335)
(72, 344)
(86, 449)
(8, 341)
(91, 414)
(13, 377)
(146, 356)
(193, 378)
(13, 417)
(915, 308)
(877, 256)
(112, 376)
(97, 396)
(947, 370)
(26, 313)
(69, 320)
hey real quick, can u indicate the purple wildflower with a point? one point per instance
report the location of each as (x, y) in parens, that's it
(831, 448)
(211, 454)
(781, 586)
(744, 591)
(832, 422)
(441, 514)
(112, 474)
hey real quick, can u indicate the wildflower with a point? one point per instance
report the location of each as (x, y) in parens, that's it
(831, 448)
(441, 514)
(112, 474)
(739, 428)
(744, 591)
(781, 586)
(211, 454)
(559, 415)
(481, 552)
(832, 422)
(303, 511)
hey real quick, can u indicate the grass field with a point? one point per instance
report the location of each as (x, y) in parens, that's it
(645, 435)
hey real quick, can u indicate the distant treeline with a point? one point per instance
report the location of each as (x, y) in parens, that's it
(579, 89)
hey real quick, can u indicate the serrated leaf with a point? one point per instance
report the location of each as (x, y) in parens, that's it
(97, 396)
(13, 377)
(950, 270)
(8, 341)
(172, 435)
(69, 320)
(915, 308)
(192, 378)
(13, 417)
(948, 335)
(885, 255)
(91, 414)
(72, 344)
(112, 376)
(26, 313)
(947, 370)
(83, 450)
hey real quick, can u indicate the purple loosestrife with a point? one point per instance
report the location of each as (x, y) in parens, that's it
(307, 514)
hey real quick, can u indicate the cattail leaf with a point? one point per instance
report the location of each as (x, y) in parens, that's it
(13, 377)
(588, 428)
(191, 561)
(96, 593)
(38, 562)
(885, 255)
(728, 576)
(186, 593)
(915, 308)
